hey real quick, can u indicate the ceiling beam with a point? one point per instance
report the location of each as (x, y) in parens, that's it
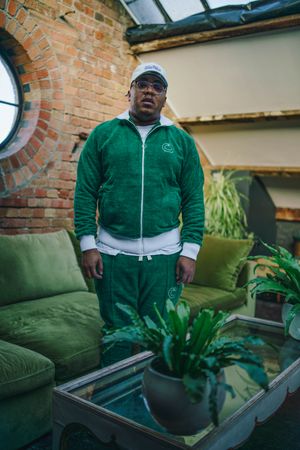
(221, 33)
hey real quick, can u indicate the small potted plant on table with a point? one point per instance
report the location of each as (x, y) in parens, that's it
(283, 277)
(184, 385)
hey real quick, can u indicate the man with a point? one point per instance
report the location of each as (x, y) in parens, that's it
(142, 172)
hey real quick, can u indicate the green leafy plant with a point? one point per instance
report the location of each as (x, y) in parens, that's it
(195, 353)
(224, 213)
(283, 278)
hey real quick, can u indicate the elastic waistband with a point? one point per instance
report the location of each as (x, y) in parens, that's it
(146, 245)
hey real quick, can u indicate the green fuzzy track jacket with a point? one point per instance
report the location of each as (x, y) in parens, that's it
(140, 189)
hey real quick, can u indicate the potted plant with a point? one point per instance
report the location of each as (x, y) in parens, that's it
(184, 385)
(283, 277)
(224, 214)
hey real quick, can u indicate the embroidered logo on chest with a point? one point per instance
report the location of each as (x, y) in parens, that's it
(167, 147)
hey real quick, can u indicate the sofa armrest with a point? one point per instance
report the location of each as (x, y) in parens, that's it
(245, 276)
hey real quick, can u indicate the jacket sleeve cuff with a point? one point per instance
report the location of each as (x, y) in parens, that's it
(190, 250)
(87, 242)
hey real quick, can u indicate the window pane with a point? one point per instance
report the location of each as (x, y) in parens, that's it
(8, 115)
(145, 11)
(179, 9)
(218, 3)
(8, 89)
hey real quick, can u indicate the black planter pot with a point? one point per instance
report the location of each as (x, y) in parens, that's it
(294, 329)
(169, 404)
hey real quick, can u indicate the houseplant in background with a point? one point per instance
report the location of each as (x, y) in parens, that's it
(224, 213)
(221, 272)
(184, 385)
(283, 277)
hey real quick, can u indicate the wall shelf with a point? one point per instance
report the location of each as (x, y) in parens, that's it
(259, 170)
(288, 214)
(252, 117)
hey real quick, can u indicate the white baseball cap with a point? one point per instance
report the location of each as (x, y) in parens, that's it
(151, 68)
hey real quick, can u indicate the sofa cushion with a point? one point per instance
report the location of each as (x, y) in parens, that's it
(65, 328)
(22, 370)
(38, 265)
(199, 297)
(220, 262)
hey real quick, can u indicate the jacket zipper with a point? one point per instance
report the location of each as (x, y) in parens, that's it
(143, 182)
(142, 195)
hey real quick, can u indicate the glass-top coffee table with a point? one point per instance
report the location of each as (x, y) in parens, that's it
(110, 405)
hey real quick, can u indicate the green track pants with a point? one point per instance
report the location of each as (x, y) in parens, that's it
(139, 284)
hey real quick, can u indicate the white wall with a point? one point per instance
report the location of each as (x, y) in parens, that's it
(285, 192)
(265, 143)
(245, 74)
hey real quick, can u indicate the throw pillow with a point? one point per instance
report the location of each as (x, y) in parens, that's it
(34, 266)
(220, 261)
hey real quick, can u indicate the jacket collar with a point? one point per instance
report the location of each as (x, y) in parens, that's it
(163, 120)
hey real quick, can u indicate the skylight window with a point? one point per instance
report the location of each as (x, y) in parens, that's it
(178, 9)
(10, 102)
(144, 11)
(218, 3)
(164, 11)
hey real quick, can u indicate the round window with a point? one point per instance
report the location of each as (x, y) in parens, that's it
(10, 101)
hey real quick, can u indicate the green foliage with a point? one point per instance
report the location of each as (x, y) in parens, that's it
(196, 353)
(224, 213)
(284, 278)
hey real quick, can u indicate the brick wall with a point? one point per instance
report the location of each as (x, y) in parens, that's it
(74, 66)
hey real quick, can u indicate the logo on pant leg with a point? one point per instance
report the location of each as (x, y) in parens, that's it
(172, 293)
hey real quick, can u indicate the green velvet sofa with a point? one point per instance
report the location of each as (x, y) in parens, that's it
(221, 274)
(50, 326)
(50, 330)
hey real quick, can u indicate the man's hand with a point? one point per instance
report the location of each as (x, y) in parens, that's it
(92, 264)
(185, 270)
